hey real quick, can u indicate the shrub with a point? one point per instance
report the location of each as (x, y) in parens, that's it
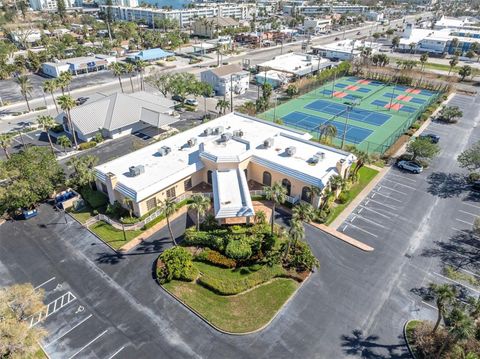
(301, 257)
(238, 249)
(215, 239)
(86, 145)
(57, 129)
(95, 199)
(177, 264)
(98, 138)
(170, 58)
(472, 177)
(215, 258)
(343, 197)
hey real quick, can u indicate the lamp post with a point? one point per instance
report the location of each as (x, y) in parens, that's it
(350, 107)
(231, 92)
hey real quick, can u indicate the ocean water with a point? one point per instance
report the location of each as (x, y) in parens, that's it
(176, 4)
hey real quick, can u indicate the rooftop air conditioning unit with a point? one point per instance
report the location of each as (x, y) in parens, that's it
(268, 142)
(192, 142)
(291, 150)
(238, 133)
(314, 160)
(226, 136)
(219, 130)
(136, 170)
(208, 131)
(320, 155)
(164, 150)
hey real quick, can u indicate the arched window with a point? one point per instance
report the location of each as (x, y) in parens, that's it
(286, 183)
(307, 194)
(209, 177)
(267, 178)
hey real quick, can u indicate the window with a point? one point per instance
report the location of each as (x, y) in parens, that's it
(246, 173)
(267, 178)
(104, 188)
(307, 194)
(187, 184)
(288, 186)
(209, 177)
(151, 204)
(171, 192)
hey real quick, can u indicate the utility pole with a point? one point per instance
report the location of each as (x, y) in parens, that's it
(349, 108)
(231, 92)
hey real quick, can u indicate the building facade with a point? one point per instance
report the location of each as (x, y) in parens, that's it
(227, 79)
(49, 5)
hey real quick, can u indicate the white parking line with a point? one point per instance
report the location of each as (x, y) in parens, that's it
(461, 255)
(89, 343)
(392, 189)
(399, 183)
(47, 281)
(373, 211)
(68, 331)
(469, 213)
(61, 301)
(118, 351)
(367, 220)
(466, 232)
(408, 179)
(456, 282)
(461, 220)
(471, 205)
(361, 229)
(383, 204)
(429, 305)
(384, 195)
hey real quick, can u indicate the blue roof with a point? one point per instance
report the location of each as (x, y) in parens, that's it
(151, 54)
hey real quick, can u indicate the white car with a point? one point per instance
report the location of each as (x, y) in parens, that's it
(191, 102)
(410, 166)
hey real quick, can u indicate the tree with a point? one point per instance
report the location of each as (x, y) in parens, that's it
(127, 202)
(140, 66)
(25, 88)
(130, 70)
(363, 158)
(328, 132)
(444, 295)
(303, 212)
(47, 122)
(292, 90)
(169, 207)
(6, 142)
(464, 71)
(17, 304)
(117, 70)
(200, 205)
(160, 81)
(221, 106)
(470, 158)
(177, 264)
(277, 194)
(422, 148)
(267, 91)
(65, 142)
(450, 114)
(395, 42)
(295, 234)
(423, 60)
(83, 173)
(64, 81)
(453, 62)
(50, 86)
(66, 104)
(61, 8)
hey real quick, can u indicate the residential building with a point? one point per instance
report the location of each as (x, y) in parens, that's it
(225, 158)
(227, 79)
(315, 26)
(118, 115)
(210, 27)
(150, 55)
(316, 10)
(78, 65)
(185, 16)
(344, 49)
(49, 5)
(453, 23)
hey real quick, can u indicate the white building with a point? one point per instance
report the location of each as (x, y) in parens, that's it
(185, 16)
(49, 5)
(78, 65)
(119, 115)
(314, 26)
(227, 79)
(344, 49)
(453, 23)
(315, 10)
(296, 64)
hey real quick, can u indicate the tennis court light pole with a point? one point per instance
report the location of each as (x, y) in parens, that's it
(349, 108)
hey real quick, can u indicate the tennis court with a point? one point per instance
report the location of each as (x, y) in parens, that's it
(374, 114)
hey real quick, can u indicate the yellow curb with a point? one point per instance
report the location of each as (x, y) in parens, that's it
(343, 237)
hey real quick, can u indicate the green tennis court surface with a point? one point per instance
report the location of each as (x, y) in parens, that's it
(372, 113)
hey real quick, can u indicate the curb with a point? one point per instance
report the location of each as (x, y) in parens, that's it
(201, 317)
(406, 339)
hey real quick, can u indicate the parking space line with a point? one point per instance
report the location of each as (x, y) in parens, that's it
(38, 317)
(118, 351)
(409, 179)
(466, 232)
(68, 331)
(89, 343)
(383, 204)
(399, 183)
(384, 195)
(373, 211)
(456, 282)
(393, 189)
(46, 282)
(461, 255)
(429, 305)
(472, 205)
(461, 220)
(361, 229)
(469, 213)
(368, 220)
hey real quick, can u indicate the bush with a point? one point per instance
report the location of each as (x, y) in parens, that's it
(343, 197)
(215, 258)
(86, 145)
(98, 138)
(57, 129)
(215, 239)
(170, 58)
(302, 258)
(176, 263)
(238, 249)
(473, 177)
(95, 199)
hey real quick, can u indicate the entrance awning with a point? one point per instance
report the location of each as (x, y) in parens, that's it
(231, 197)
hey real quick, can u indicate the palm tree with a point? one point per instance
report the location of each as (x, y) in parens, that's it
(169, 207)
(50, 86)
(221, 106)
(363, 158)
(47, 122)
(66, 104)
(130, 70)
(328, 132)
(453, 62)
(127, 202)
(295, 233)
(303, 212)
(117, 70)
(260, 217)
(444, 295)
(277, 194)
(64, 81)
(25, 88)
(140, 66)
(423, 60)
(65, 142)
(200, 205)
(5, 142)
(461, 327)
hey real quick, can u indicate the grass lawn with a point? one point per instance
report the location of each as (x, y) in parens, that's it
(365, 176)
(81, 215)
(114, 237)
(39, 354)
(240, 313)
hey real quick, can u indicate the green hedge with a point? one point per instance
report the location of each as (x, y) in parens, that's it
(95, 199)
(87, 145)
(216, 258)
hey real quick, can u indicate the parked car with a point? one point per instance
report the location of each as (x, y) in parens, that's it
(432, 137)
(81, 100)
(191, 102)
(358, 33)
(178, 98)
(410, 166)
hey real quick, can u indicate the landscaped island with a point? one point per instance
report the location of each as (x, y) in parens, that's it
(236, 278)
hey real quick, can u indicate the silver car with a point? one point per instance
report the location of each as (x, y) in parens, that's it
(410, 166)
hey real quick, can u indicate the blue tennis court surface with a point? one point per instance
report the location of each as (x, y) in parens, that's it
(352, 79)
(417, 100)
(390, 95)
(342, 86)
(427, 93)
(401, 88)
(311, 123)
(376, 83)
(379, 103)
(326, 92)
(408, 109)
(356, 114)
(352, 97)
(363, 89)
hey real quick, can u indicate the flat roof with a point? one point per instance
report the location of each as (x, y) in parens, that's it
(347, 45)
(296, 63)
(184, 160)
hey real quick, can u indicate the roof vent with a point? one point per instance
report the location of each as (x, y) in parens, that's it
(268, 142)
(219, 130)
(226, 136)
(208, 131)
(192, 142)
(238, 133)
(291, 150)
(136, 170)
(317, 157)
(164, 150)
